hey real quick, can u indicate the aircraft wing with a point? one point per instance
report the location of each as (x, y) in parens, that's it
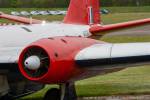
(96, 54)
(9, 58)
(103, 29)
(20, 19)
(114, 55)
(9, 55)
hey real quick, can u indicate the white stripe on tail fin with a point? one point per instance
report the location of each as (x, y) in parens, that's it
(84, 12)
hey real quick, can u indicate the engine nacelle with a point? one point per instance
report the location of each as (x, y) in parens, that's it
(51, 60)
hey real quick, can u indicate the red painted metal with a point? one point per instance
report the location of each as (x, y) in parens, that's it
(62, 67)
(95, 29)
(78, 12)
(20, 19)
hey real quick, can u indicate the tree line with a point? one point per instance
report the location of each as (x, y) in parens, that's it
(64, 3)
(125, 2)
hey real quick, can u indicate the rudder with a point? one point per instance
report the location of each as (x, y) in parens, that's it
(85, 12)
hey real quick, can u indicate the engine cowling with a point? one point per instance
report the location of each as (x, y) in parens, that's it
(51, 60)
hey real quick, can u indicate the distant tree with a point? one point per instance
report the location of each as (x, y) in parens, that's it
(64, 3)
(13, 3)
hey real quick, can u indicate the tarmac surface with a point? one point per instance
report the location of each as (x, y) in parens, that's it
(126, 97)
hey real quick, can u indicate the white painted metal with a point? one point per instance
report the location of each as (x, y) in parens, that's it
(102, 51)
(14, 38)
(130, 49)
(32, 63)
(97, 51)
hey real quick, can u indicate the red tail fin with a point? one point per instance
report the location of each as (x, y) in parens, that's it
(83, 12)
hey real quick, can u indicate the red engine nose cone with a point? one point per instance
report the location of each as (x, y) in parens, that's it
(33, 62)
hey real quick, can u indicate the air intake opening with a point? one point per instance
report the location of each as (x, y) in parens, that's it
(44, 62)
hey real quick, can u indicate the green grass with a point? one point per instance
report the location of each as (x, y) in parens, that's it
(123, 17)
(8, 10)
(128, 81)
(128, 9)
(125, 39)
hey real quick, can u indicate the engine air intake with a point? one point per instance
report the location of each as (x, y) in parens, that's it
(35, 62)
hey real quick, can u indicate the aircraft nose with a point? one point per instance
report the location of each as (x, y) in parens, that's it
(32, 63)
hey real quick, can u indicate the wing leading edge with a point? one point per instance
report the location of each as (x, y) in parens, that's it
(114, 55)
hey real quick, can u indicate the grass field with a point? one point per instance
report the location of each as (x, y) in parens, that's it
(128, 81)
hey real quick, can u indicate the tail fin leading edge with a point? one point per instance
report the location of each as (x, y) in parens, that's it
(83, 12)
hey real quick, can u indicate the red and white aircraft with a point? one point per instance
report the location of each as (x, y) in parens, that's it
(62, 53)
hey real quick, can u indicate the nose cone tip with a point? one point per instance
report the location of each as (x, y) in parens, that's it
(32, 63)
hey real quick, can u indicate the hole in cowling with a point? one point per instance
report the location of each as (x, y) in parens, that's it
(56, 54)
(51, 38)
(63, 40)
